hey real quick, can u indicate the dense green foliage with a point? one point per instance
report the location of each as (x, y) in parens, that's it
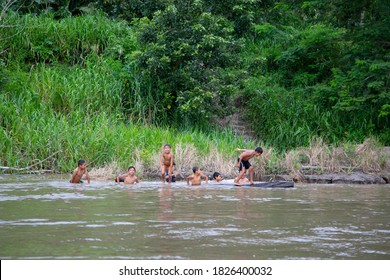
(67, 91)
(327, 75)
(94, 78)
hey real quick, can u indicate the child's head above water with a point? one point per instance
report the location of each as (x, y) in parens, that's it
(217, 176)
(131, 167)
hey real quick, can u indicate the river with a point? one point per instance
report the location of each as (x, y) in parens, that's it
(49, 218)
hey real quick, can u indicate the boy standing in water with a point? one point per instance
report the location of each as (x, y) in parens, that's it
(129, 177)
(166, 162)
(79, 172)
(196, 178)
(244, 164)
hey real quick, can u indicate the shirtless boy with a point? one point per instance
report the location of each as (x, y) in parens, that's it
(129, 177)
(166, 162)
(244, 164)
(196, 178)
(79, 172)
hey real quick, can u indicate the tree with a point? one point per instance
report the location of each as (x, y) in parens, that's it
(185, 50)
(61, 8)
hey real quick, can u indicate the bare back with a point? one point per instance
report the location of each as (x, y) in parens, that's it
(247, 155)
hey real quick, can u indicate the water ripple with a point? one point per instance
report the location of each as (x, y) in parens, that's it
(52, 196)
(39, 222)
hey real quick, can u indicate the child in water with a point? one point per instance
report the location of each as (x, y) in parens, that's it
(129, 177)
(166, 163)
(197, 177)
(79, 172)
(217, 177)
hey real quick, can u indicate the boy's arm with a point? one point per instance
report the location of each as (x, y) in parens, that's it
(207, 179)
(87, 176)
(136, 180)
(161, 159)
(172, 160)
(122, 176)
(239, 160)
(241, 150)
(189, 178)
(73, 175)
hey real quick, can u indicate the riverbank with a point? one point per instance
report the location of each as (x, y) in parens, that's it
(358, 178)
(355, 178)
(360, 164)
(366, 163)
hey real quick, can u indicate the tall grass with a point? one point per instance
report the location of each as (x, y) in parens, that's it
(76, 112)
(285, 118)
(35, 39)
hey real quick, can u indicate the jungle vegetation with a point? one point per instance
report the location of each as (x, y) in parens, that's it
(113, 80)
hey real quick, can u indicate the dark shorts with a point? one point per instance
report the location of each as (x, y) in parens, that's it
(173, 176)
(173, 179)
(244, 163)
(80, 182)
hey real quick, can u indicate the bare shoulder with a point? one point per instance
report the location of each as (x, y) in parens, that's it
(246, 153)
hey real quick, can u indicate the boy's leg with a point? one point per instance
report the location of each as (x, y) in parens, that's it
(169, 174)
(163, 173)
(240, 176)
(251, 175)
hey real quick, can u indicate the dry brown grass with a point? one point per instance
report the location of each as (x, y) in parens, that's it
(290, 164)
(138, 163)
(322, 158)
(318, 158)
(186, 157)
(259, 166)
(106, 172)
(216, 161)
(368, 156)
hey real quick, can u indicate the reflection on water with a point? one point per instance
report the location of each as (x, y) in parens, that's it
(48, 218)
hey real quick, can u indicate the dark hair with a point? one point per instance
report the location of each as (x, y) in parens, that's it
(195, 168)
(216, 174)
(167, 145)
(81, 161)
(259, 150)
(130, 168)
